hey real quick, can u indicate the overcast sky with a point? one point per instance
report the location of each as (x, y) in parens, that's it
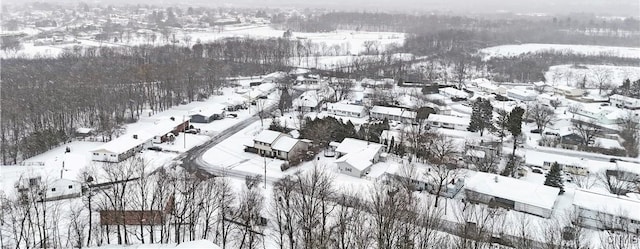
(602, 7)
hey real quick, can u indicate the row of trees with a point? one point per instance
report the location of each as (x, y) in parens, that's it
(304, 210)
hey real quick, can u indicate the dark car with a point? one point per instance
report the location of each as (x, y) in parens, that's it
(537, 171)
(535, 131)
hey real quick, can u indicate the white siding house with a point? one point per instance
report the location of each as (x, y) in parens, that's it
(63, 189)
(511, 193)
(449, 122)
(264, 141)
(357, 156)
(522, 95)
(568, 91)
(624, 101)
(346, 110)
(122, 147)
(392, 113)
(607, 211)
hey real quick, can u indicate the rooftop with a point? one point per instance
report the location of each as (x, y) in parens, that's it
(267, 136)
(126, 142)
(345, 107)
(284, 143)
(607, 203)
(393, 111)
(349, 145)
(513, 189)
(448, 119)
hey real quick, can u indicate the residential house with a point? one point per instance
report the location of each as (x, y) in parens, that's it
(277, 144)
(625, 177)
(453, 93)
(607, 211)
(522, 94)
(568, 91)
(621, 101)
(60, 189)
(489, 87)
(392, 113)
(569, 164)
(308, 101)
(123, 147)
(422, 178)
(601, 115)
(166, 128)
(346, 110)
(511, 193)
(208, 114)
(448, 122)
(355, 157)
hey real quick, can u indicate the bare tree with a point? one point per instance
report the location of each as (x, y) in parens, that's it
(479, 223)
(619, 233)
(442, 155)
(628, 125)
(587, 131)
(541, 116)
(251, 202)
(602, 77)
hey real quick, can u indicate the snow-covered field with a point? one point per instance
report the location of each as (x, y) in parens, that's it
(515, 50)
(350, 41)
(570, 75)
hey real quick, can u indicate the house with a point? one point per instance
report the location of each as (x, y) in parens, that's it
(132, 217)
(286, 147)
(453, 93)
(346, 110)
(392, 113)
(624, 177)
(208, 114)
(355, 157)
(621, 101)
(122, 147)
(603, 115)
(84, 132)
(63, 189)
(569, 164)
(420, 177)
(511, 193)
(522, 94)
(448, 122)
(277, 144)
(166, 128)
(607, 211)
(489, 87)
(568, 91)
(308, 101)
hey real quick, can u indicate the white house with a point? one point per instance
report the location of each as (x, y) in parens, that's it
(355, 157)
(63, 189)
(569, 164)
(276, 144)
(308, 101)
(603, 115)
(392, 113)
(522, 94)
(453, 93)
(346, 110)
(568, 91)
(122, 147)
(422, 178)
(488, 87)
(624, 101)
(449, 122)
(607, 211)
(511, 193)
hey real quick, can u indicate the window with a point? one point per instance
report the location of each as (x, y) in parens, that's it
(53, 189)
(96, 154)
(112, 155)
(70, 186)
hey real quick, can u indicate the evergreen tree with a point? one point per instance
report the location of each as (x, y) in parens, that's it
(514, 125)
(481, 116)
(554, 177)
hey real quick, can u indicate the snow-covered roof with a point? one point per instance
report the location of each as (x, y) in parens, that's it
(453, 92)
(209, 110)
(83, 130)
(448, 119)
(349, 145)
(628, 167)
(125, 142)
(307, 99)
(393, 111)
(513, 189)
(267, 136)
(522, 92)
(475, 153)
(345, 107)
(607, 203)
(361, 158)
(284, 143)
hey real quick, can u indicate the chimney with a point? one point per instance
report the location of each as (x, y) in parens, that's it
(135, 136)
(172, 119)
(495, 178)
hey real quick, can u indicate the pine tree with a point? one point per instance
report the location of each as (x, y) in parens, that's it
(481, 116)
(554, 177)
(514, 125)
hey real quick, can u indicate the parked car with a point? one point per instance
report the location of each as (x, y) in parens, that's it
(536, 170)
(192, 131)
(232, 115)
(535, 131)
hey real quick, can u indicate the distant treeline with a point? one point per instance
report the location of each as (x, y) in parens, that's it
(44, 99)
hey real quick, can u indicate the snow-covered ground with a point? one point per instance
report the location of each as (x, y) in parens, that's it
(349, 41)
(186, 245)
(570, 75)
(518, 49)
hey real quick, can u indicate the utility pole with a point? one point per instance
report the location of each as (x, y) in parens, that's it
(265, 172)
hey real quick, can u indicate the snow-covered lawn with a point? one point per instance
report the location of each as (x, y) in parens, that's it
(518, 49)
(571, 76)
